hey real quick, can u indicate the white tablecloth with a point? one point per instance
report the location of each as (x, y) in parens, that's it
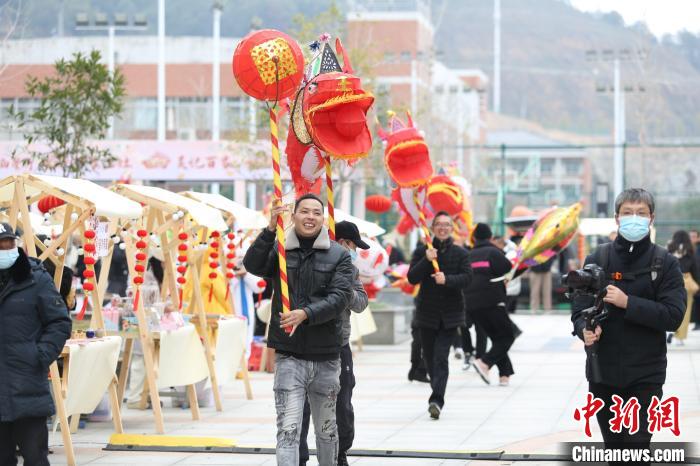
(182, 360)
(91, 366)
(361, 324)
(230, 345)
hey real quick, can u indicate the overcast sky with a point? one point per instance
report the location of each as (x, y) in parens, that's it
(662, 16)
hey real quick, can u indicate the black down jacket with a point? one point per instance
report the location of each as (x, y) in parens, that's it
(440, 303)
(632, 346)
(320, 282)
(34, 326)
(487, 262)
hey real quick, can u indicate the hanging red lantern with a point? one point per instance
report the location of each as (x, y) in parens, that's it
(48, 203)
(405, 225)
(213, 264)
(140, 266)
(89, 260)
(268, 65)
(377, 203)
(182, 268)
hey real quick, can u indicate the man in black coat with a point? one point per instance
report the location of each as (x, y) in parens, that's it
(321, 277)
(645, 299)
(486, 301)
(440, 303)
(34, 326)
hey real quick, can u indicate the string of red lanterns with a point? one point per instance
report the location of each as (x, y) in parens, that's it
(89, 272)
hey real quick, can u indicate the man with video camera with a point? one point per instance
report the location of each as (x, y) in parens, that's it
(629, 294)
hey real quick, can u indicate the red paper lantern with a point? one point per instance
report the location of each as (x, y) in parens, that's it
(230, 255)
(138, 280)
(212, 275)
(141, 233)
(182, 258)
(87, 286)
(230, 236)
(215, 234)
(182, 247)
(181, 269)
(89, 260)
(182, 236)
(139, 268)
(140, 256)
(141, 245)
(89, 247)
(89, 234)
(88, 273)
(262, 284)
(214, 245)
(405, 225)
(213, 265)
(214, 255)
(229, 275)
(268, 65)
(181, 280)
(47, 203)
(378, 203)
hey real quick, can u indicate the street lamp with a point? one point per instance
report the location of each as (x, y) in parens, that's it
(617, 56)
(101, 22)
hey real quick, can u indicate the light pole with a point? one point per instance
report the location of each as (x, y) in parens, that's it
(161, 70)
(120, 22)
(216, 71)
(619, 114)
(497, 56)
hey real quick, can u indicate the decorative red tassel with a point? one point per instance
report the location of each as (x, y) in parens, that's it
(137, 295)
(81, 314)
(228, 287)
(180, 293)
(211, 291)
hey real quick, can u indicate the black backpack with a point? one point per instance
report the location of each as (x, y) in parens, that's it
(656, 267)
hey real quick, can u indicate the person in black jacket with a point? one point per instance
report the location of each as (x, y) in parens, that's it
(320, 276)
(440, 303)
(645, 299)
(34, 326)
(486, 301)
(682, 248)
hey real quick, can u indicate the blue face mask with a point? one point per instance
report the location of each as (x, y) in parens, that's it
(634, 228)
(353, 255)
(8, 257)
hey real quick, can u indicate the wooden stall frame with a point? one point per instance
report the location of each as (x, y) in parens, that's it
(19, 214)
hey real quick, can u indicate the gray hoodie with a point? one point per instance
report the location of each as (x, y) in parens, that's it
(358, 303)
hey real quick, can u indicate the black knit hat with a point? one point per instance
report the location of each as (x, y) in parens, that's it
(482, 231)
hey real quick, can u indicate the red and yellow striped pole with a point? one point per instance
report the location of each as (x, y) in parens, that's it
(424, 227)
(277, 181)
(331, 199)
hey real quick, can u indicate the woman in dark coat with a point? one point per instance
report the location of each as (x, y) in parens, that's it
(681, 247)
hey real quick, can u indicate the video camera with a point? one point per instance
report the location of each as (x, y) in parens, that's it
(590, 281)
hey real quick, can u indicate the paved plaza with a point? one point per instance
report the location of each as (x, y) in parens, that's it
(533, 415)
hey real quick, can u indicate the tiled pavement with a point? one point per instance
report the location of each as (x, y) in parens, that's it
(532, 415)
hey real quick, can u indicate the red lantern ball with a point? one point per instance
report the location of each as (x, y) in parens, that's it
(231, 246)
(141, 233)
(215, 234)
(230, 266)
(214, 255)
(87, 286)
(88, 273)
(140, 268)
(230, 236)
(182, 247)
(262, 284)
(181, 269)
(141, 245)
(138, 280)
(213, 265)
(405, 225)
(268, 65)
(214, 245)
(89, 247)
(89, 234)
(378, 203)
(89, 260)
(47, 203)
(230, 255)
(181, 280)
(213, 275)
(229, 275)
(182, 236)
(182, 258)
(140, 256)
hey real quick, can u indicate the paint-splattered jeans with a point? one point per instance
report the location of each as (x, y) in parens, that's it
(294, 380)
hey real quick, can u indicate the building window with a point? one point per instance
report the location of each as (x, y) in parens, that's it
(573, 167)
(406, 56)
(145, 113)
(547, 167)
(389, 57)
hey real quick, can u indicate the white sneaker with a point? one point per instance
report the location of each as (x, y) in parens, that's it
(468, 360)
(459, 353)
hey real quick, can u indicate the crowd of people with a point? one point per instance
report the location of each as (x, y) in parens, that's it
(647, 298)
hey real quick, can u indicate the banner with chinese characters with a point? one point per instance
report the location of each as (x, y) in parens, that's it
(150, 160)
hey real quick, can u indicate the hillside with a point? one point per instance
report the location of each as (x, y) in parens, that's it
(545, 75)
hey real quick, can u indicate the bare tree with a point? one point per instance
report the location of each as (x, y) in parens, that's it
(11, 26)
